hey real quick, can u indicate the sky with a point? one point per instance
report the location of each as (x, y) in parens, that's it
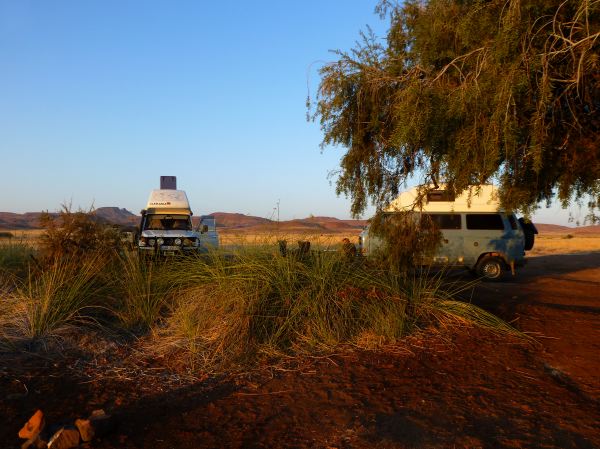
(98, 99)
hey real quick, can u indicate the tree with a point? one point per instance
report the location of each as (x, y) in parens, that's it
(467, 92)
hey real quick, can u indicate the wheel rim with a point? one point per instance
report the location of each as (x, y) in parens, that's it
(491, 270)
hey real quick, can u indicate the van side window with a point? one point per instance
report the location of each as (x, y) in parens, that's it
(485, 221)
(446, 221)
(440, 195)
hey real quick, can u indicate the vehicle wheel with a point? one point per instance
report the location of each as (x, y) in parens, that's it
(490, 268)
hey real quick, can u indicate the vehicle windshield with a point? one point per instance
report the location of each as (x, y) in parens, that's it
(167, 223)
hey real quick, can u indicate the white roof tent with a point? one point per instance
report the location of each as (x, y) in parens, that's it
(168, 200)
(483, 198)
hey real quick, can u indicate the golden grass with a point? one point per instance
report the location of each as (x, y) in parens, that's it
(30, 235)
(544, 244)
(331, 240)
(561, 244)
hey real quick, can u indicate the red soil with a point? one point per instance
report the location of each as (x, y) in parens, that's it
(460, 387)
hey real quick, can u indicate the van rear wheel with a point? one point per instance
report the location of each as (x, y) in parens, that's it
(490, 268)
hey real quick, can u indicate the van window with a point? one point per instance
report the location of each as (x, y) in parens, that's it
(446, 221)
(440, 195)
(485, 221)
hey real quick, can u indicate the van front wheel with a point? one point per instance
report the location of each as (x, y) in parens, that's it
(490, 268)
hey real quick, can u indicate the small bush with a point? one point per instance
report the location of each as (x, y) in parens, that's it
(6, 235)
(76, 234)
(408, 239)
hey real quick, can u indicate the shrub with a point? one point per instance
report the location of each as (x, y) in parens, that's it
(76, 234)
(408, 239)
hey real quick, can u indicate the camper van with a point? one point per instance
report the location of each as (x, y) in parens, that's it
(166, 227)
(476, 233)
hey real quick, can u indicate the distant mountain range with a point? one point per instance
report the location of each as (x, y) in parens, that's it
(225, 221)
(233, 222)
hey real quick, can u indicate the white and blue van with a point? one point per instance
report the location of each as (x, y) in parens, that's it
(476, 233)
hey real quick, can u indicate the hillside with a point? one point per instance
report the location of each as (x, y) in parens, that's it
(236, 222)
(226, 221)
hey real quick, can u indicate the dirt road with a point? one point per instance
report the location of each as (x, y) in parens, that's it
(557, 299)
(450, 389)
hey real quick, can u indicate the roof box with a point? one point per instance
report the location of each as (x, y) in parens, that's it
(168, 182)
(168, 200)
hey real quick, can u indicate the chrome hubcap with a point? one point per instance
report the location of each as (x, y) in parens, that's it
(491, 270)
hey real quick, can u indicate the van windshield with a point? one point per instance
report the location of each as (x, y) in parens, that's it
(167, 223)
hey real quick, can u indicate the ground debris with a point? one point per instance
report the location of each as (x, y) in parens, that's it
(64, 438)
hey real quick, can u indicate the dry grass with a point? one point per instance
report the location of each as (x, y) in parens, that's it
(545, 244)
(322, 241)
(563, 244)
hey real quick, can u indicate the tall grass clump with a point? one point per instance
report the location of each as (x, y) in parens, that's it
(62, 294)
(233, 310)
(142, 289)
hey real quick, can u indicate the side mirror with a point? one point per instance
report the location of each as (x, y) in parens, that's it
(204, 228)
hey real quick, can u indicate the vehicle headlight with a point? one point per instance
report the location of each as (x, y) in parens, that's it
(160, 241)
(151, 242)
(177, 242)
(141, 242)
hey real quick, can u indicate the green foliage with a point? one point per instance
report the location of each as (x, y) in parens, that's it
(465, 92)
(76, 233)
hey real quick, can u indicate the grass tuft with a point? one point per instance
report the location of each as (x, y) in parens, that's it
(52, 300)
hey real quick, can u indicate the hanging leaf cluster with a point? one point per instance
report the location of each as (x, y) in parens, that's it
(467, 92)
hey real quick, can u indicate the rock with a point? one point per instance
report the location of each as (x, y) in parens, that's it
(98, 424)
(86, 430)
(33, 427)
(65, 438)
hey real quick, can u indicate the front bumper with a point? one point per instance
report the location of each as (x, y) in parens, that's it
(168, 250)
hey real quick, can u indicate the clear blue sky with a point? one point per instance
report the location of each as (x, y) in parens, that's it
(100, 98)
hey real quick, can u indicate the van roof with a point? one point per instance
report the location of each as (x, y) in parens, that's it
(482, 198)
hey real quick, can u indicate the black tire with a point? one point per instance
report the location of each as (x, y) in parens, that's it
(490, 268)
